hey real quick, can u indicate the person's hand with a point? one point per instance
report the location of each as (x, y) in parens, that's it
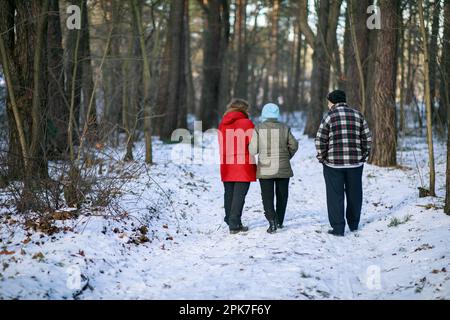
(321, 160)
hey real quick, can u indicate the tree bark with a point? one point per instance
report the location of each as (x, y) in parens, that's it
(111, 73)
(146, 83)
(24, 25)
(385, 139)
(445, 94)
(428, 101)
(74, 76)
(176, 99)
(241, 85)
(39, 99)
(133, 88)
(57, 104)
(444, 102)
(401, 127)
(274, 64)
(370, 83)
(191, 97)
(214, 49)
(87, 78)
(433, 52)
(6, 27)
(356, 57)
(320, 71)
(294, 91)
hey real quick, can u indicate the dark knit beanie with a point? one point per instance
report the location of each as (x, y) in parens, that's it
(337, 96)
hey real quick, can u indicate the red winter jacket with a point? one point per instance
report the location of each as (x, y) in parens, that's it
(236, 163)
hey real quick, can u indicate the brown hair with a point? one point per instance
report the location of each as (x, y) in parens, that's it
(239, 105)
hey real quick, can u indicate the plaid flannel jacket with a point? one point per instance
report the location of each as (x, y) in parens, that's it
(344, 138)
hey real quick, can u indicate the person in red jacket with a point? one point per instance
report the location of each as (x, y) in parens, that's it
(237, 166)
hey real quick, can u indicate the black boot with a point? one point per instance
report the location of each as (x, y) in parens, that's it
(241, 228)
(272, 227)
(279, 224)
(335, 233)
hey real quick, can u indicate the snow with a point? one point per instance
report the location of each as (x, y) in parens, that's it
(192, 255)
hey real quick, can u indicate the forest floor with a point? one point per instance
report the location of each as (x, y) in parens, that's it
(401, 252)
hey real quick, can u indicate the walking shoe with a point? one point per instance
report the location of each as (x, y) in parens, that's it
(272, 227)
(240, 229)
(243, 228)
(279, 224)
(334, 233)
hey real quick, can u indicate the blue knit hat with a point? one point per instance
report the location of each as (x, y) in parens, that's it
(270, 111)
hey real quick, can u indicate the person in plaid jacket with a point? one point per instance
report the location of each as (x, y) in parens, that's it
(343, 146)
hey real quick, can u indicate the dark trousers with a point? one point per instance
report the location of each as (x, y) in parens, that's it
(340, 183)
(281, 187)
(235, 193)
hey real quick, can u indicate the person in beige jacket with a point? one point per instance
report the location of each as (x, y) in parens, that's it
(275, 146)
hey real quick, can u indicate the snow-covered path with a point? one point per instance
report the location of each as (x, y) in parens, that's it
(203, 261)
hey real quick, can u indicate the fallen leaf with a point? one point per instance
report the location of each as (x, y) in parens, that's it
(6, 252)
(39, 256)
(143, 229)
(99, 146)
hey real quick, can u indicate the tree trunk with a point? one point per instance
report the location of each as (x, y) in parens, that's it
(320, 72)
(331, 44)
(39, 100)
(356, 57)
(444, 102)
(370, 83)
(74, 76)
(225, 58)
(409, 92)
(87, 81)
(15, 116)
(303, 100)
(137, 14)
(162, 95)
(445, 93)
(433, 52)
(133, 86)
(385, 140)
(294, 94)
(23, 28)
(274, 65)
(401, 127)
(428, 101)
(176, 99)
(213, 50)
(127, 115)
(191, 98)
(57, 104)
(111, 74)
(241, 85)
